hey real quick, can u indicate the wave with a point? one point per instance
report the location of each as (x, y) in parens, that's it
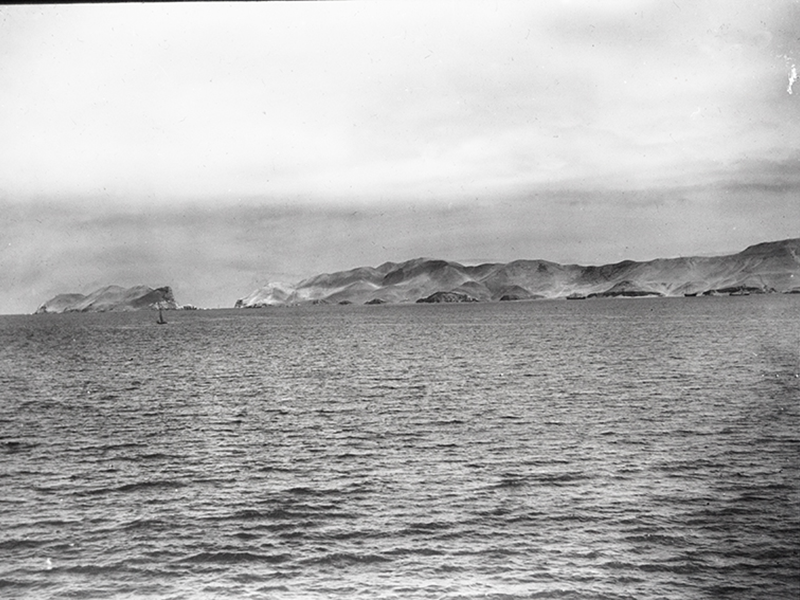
(279, 513)
(343, 559)
(23, 543)
(228, 557)
(145, 524)
(14, 446)
(138, 486)
(512, 480)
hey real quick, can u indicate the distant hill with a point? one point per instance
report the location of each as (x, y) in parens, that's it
(112, 298)
(762, 268)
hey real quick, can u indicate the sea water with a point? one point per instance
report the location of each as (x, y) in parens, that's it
(611, 449)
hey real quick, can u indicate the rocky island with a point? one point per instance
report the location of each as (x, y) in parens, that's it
(112, 298)
(762, 268)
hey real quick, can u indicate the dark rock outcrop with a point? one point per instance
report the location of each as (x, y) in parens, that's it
(739, 290)
(448, 297)
(626, 289)
(515, 292)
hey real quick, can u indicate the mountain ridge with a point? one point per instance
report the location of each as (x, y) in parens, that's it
(112, 298)
(760, 268)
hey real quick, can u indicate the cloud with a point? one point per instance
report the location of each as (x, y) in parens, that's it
(363, 99)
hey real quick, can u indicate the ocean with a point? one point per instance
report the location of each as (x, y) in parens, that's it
(618, 449)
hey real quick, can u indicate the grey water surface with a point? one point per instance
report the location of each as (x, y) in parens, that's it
(611, 449)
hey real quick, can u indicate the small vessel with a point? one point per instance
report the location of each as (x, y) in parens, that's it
(161, 320)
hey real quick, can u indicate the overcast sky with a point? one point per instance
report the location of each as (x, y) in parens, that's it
(215, 147)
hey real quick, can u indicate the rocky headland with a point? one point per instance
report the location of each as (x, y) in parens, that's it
(113, 298)
(763, 268)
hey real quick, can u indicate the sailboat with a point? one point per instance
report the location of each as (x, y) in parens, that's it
(161, 320)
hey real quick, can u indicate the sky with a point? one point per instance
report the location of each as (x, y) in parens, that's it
(217, 147)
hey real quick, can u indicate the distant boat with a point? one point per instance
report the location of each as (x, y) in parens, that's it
(161, 320)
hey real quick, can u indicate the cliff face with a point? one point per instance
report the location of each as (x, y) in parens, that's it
(766, 267)
(112, 298)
